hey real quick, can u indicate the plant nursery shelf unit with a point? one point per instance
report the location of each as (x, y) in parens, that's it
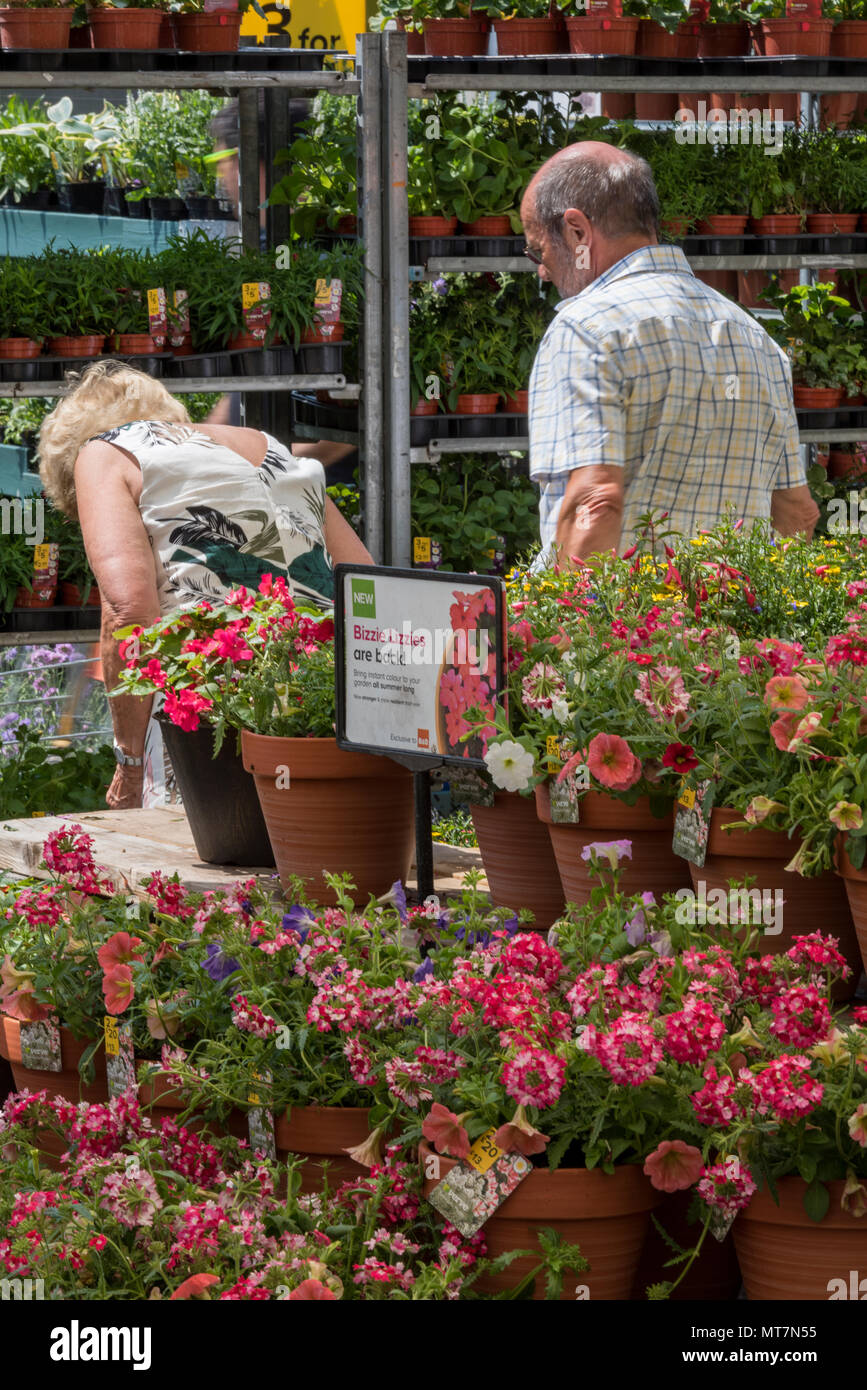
(180, 385)
(448, 265)
(50, 637)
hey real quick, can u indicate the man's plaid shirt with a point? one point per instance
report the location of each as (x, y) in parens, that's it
(649, 370)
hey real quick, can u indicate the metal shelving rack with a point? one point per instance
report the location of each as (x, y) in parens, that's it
(399, 455)
(363, 84)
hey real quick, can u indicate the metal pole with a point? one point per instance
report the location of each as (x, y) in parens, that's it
(371, 361)
(423, 837)
(250, 197)
(396, 337)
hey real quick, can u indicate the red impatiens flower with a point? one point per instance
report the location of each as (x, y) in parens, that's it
(446, 1132)
(680, 756)
(118, 988)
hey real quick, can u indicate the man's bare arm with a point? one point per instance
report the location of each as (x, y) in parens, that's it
(591, 513)
(793, 510)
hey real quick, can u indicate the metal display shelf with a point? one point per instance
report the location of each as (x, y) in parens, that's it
(181, 385)
(12, 79)
(451, 265)
(302, 431)
(50, 638)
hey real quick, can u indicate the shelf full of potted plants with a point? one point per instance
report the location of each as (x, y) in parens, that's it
(699, 1068)
(827, 344)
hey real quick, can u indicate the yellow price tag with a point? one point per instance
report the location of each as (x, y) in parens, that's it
(41, 556)
(323, 293)
(250, 294)
(112, 1041)
(153, 302)
(484, 1153)
(686, 799)
(35, 814)
(552, 749)
(421, 549)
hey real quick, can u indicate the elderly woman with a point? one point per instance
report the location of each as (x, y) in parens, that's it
(173, 513)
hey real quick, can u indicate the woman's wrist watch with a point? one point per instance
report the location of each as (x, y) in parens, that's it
(125, 759)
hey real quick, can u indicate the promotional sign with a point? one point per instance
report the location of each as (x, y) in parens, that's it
(420, 661)
(331, 24)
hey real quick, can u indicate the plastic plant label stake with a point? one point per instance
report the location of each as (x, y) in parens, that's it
(260, 1122)
(468, 784)
(119, 1058)
(41, 557)
(40, 1046)
(478, 1184)
(692, 820)
(427, 553)
(326, 303)
(158, 321)
(565, 800)
(180, 325)
(254, 301)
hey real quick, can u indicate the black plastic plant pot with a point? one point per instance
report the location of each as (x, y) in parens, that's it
(114, 203)
(422, 429)
(321, 359)
(82, 197)
(823, 419)
(478, 426)
(219, 797)
(167, 209)
(40, 201)
(493, 246)
(724, 246)
(781, 245)
(209, 364)
(249, 362)
(27, 369)
(134, 207)
(279, 361)
(36, 60)
(203, 208)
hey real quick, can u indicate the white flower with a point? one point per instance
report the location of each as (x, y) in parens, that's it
(560, 711)
(510, 765)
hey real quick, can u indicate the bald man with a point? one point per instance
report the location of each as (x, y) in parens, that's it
(650, 391)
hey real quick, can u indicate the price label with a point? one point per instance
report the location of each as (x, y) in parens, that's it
(154, 302)
(112, 1040)
(421, 549)
(157, 315)
(254, 301)
(251, 293)
(687, 798)
(484, 1153)
(552, 750)
(42, 556)
(34, 814)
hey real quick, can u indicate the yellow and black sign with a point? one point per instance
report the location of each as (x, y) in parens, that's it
(306, 23)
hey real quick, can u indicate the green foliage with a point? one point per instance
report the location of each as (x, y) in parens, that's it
(820, 330)
(22, 298)
(321, 184)
(473, 507)
(833, 170)
(163, 133)
(25, 163)
(50, 778)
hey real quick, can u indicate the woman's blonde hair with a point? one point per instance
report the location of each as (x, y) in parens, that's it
(104, 396)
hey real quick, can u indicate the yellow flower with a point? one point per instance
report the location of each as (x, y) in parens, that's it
(832, 1049)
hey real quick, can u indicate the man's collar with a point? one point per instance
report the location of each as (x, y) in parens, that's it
(661, 260)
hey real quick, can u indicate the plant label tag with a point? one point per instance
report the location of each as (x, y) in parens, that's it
(40, 1046)
(254, 301)
(720, 1224)
(553, 754)
(180, 326)
(260, 1122)
(326, 303)
(157, 316)
(692, 820)
(565, 800)
(427, 553)
(478, 1185)
(45, 563)
(41, 558)
(119, 1057)
(469, 785)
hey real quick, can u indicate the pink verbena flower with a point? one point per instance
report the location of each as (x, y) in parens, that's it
(534, 1077)
(630, 1051)
(693, 1032)
(728, 1187)
(801, 1016)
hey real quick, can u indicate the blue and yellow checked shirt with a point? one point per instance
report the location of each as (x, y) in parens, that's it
(649, 370)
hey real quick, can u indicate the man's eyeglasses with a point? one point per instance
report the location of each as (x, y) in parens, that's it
(532, 255)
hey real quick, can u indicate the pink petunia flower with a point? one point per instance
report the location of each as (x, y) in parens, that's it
(194, 1286)
(120, 949)
(673, 1166)
(612, 762)
(313, 1289)
(446, 1132)
(858, 1126)
(786, 693)
(118, 988)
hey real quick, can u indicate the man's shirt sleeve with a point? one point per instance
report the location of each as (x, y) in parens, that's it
(576, 403)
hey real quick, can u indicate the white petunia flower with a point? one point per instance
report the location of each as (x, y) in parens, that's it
(560, 711)
(510, 765)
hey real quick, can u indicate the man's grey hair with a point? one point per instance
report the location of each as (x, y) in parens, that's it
(619, 198)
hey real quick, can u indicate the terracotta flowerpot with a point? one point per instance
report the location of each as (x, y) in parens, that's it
(676, 227)
(66, 1083)
(161, 1101)
(216, 32)
(414, 40)
(432, 226)
(342, 812)
(782, 38)
(838, 109)
(527, 37)
(655, 41)
(425, 407)
(817, 397)
(347, 225)
(321, 1133)
(70, 594)
(488, 226)
(167, 39)
(845, 465)
(776, 224)
(724, 40)
(752, 282)
(519, 862)
(134, 344)
(809, 904)
(125, 29)
(478, 403)
(713, 1277)
(18, 349)
(785, 1256)
(518, 404)
(832, 223)
(618, 106)
(322, 333)
(88, 345)
(40, 597)
(601, 34)
(653, 865)
(242, 341)
(607, 1216)
(723, 224)
(456, 38)
(855, 881)
(655, 106)
(35, 29)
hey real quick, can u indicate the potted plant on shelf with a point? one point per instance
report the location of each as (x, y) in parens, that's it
(828, 359)
(80, 302)
(431, 184)
(490, 171)
(451, 28)
(17, 577)
(834, 182)
(126, 27)
(528, 27)
(35, 24)
(204, 30)
(725, 32)
(601, 28)
(27, 175)
(320, 186)
(22, 317)
(778, 31)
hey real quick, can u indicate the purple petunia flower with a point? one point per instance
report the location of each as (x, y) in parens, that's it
(423, 971)
(636, 929)
(612, 850)
(299, 919)
(398, 894)
(218, 965)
